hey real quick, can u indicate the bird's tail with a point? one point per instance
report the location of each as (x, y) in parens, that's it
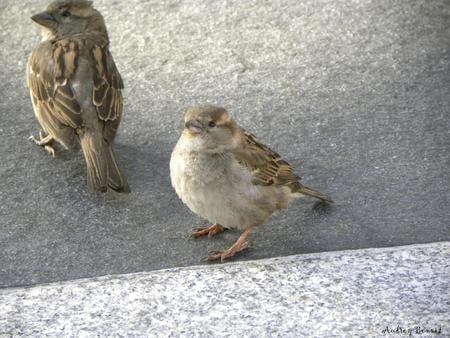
(102, 169)
(314, 193)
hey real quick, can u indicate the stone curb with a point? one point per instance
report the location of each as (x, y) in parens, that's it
(368, 292)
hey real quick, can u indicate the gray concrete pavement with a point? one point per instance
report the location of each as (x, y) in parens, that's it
(361, 293)
(354, 94)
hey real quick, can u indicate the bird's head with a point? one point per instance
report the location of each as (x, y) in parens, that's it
(64, 18)
(210, 129)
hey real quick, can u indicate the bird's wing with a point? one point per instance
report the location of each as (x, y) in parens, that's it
(50, 74)
(266, 166)
(50, 68)
(107, 92)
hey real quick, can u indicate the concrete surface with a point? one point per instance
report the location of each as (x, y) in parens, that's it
(354, 94)
(361, 293)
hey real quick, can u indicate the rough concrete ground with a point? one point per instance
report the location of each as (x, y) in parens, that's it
(361, 293)
(354, 94)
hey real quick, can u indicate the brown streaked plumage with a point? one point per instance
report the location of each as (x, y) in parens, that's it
(224, 174)
(269, 169)
(76, 89)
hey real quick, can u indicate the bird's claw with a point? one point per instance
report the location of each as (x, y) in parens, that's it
(210, 231)
(50, 150)
(222, 255)
(44, 141)
(214, 256)
(198, 232)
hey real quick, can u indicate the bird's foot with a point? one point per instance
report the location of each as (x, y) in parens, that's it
(222, 255)
(209, 231)
(241, 244)
(45, 141)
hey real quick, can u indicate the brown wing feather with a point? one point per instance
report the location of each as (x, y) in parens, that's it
(50, 87)
(266, 166)
(107, 92)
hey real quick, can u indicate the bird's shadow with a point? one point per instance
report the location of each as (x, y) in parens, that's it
(146, 166)
(319, 212)
(321, 207)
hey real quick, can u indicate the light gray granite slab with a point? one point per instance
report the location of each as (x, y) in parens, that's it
(343, 294)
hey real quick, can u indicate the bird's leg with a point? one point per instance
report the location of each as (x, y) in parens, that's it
(211, 231)
(238, 246)
(44, 141)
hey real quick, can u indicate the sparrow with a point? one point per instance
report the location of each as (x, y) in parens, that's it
(225, 175)
(76, 89)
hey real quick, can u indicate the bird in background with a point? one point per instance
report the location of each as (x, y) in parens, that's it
(225, 175)
(76, 89)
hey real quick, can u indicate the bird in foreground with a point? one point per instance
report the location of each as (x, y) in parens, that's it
(76, 89)
(225, 175)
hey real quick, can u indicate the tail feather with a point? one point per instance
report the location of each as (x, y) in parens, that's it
(314, 193)
(102, 169)
(116, 180)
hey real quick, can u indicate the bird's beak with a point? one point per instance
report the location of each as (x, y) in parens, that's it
(194, 126)
(44, 19)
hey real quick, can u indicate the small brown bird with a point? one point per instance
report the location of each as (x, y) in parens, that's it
(225, 175)
(76, 89)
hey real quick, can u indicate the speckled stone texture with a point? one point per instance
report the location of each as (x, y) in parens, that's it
(353, 93)
(343, 294)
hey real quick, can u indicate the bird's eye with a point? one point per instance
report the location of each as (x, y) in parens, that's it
(66, 13)
(211, 124)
